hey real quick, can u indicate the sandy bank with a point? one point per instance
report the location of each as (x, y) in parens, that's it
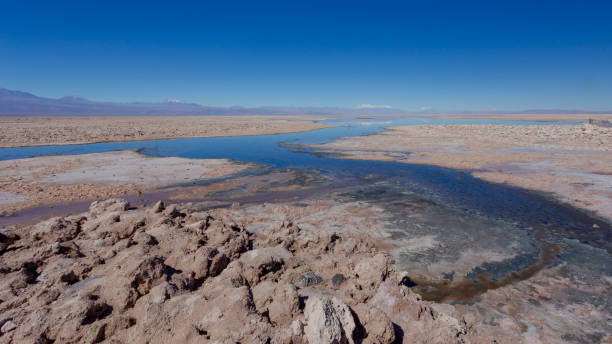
(35, 131)
(572, 162)
(37, 181)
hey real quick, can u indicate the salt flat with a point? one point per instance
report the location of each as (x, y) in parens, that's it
(573, 162)
(47, 180)
(35, 131)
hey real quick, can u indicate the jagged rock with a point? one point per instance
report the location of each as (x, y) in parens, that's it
(96, 334)
(56, 230)
(158, 207)
(419, 320)
(116, 324)
(231, 316)
(3, 242)
(233, 239)
(146, 273)
(121, 275)
(198, 262)
(262, 295)
(182, 282)
(218, 263)
(377, 327)
(285, 304)
(279, 300)
(316, 243)
(8, 327)
(129, 225)
(374, 269)
(283, 235)
(7, 239)
(358, 243)
(110, 205)
(258, 263)
(172, 211)
(297, 328)
(161, 292)
(237, 245)
(328, 320)
(142, 238)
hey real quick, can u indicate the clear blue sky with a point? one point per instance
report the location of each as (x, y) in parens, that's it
(448, 55)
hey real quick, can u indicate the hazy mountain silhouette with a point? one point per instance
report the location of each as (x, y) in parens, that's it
(17, 103)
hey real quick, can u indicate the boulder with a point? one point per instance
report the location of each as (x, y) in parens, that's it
(217, 264)
(197, 263)
(158, 207)
(283, 234)
(56, 230)
(377, 327)
(172, 212)
(7, 239)
(419, 321)
(142, 238)
(328, 320)
(231, 316)
(8, 327)
(261, 262)
(285, 304)
(373, 270)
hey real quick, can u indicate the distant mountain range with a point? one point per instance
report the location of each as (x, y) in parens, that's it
(17, 103)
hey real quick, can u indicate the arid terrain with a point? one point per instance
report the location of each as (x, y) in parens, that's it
(26, 183)
(306, 172)
(35, 131)
(569, 117)
(173, 274)
(255, 254)
(572, 162)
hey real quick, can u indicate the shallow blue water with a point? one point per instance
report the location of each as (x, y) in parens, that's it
(259, 149)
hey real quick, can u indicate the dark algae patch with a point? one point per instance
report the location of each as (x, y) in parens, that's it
(467, 290)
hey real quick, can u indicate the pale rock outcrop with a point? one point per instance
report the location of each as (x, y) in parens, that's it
(167, 274)
(377, 327)
(328, 321)
(420, 321)
(108, 206)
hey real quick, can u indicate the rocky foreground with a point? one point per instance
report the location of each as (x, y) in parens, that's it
(176, 275)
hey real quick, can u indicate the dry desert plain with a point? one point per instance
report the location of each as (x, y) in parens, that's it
(35, 131)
